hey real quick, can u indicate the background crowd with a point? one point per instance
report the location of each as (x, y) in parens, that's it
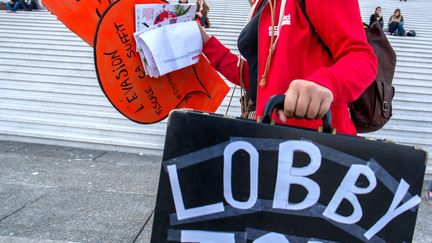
(395, 22)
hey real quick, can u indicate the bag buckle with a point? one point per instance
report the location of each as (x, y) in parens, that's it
(385, 106)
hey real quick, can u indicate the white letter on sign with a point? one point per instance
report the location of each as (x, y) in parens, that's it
(183, 213)
(228, 153)
(393, 211)
(206, 237)
(287, 175)
(347, 190)
(271, 238)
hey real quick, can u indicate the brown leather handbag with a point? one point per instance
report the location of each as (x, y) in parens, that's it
(373, 109)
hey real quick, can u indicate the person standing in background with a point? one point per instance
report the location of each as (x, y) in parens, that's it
(201, 14)
(377, 17)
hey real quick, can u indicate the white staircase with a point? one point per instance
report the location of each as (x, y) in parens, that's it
(411, 123)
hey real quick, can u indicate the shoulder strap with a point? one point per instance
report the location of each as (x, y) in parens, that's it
(302, 5)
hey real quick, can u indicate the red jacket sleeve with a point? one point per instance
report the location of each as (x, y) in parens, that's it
(225, 62)
(339, 25)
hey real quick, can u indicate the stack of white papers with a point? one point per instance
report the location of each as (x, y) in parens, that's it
(167, 38)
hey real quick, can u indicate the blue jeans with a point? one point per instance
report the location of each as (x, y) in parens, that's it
(397, 28)
(14, 7)
(430, 186)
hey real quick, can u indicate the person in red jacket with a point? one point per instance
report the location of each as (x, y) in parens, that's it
(285, 55)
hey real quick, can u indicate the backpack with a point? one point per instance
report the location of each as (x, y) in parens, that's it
(373, 109)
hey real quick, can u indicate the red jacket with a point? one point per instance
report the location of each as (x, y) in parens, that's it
(300, 55)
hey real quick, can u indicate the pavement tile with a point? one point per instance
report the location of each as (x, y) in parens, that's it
(9, 239)
(130, 158)
(82, 216)
(51, 151)
(15, 197)
(145, 235)
(121, 175)
(423, 229)
(9, 146)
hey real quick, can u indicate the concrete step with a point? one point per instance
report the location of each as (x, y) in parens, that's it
(51, 71)
(19, 35)
(24, 63)
(13, 57)
(63, 108)
(410, 105)
(47, 52)
(42, 133)
(50, 87)
(42, 46)
(412, 115)
(411, 75)
(105, 114)
(54, 97)
(31, 41)
(56, 79)
(36, 33)
(79, 124)
(414, 59)
(414, 70)
(411, 82)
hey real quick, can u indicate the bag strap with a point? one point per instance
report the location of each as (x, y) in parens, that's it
(302, 5)
(240, 64)
(242, 89)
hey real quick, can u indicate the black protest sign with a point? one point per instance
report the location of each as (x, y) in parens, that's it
(226, 180)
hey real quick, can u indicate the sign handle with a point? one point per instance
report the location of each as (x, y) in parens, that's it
(277, 102)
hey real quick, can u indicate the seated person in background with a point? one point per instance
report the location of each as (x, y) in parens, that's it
(27, 5)
(34, 4)
(377, 17)
(13, 5)
(201, 14)
(396, 22)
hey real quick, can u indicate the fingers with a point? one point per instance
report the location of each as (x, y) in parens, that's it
(290, 103)
(306, 99)
(281, 115)
(325, 106)
(313, 109)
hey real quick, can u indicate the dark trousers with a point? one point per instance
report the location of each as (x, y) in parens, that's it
(14, 7)
(204, 22)
(25, 5)
(396, 28)
(20, 4)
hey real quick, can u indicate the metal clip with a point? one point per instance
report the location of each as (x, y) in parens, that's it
(385, 106)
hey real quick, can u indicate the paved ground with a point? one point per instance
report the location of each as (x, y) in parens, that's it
(67, 194)
(57, 194)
